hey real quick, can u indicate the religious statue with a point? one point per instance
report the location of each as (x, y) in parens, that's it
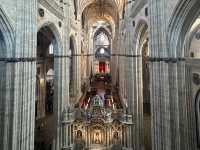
(97, 140)
(79, 134)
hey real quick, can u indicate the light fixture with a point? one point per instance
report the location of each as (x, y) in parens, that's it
(102, 51)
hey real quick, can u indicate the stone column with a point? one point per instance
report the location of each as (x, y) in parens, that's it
(189, 103)
(160, 105)
(70, 135)
(23, 107)
(6, 104)
(65, 135)
(159, 77)
(134, 88)
(182, 107)
(126, 136)
(61, 96)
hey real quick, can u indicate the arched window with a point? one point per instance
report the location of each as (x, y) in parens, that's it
(102, 40)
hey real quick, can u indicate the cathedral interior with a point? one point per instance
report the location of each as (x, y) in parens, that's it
(100, 75)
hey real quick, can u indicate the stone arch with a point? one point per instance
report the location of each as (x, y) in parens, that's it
(48, 101)
(142, 80)
(6, 101)
(142, 50)
(140, 30)
(184, 16)
(56, 33)
(6, 35)
(89, 2)
(102, 29)
(106, 33)
(189, 38)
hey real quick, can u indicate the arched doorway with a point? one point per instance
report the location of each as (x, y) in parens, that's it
(45, 111)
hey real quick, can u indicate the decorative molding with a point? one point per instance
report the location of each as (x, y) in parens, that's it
(167, 60)
(14, 60)
(62, 56)
(196, 78)
(60, 24)
(125, 55)
(53, 7)
(137, 6)
(197, 35)
(41, 12)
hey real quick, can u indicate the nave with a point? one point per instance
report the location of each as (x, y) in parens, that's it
(99, 74)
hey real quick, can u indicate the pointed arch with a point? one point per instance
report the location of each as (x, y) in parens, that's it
(140, 31)
(58, 43)
(7, 35)
(182, 19)
(6, 99)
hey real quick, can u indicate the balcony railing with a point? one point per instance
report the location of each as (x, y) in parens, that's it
(107, 116)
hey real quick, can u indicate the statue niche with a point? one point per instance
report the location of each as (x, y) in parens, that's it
(79, 142)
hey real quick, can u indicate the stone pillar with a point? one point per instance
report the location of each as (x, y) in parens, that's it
(182, 107)
(61, 65)
(70, 135)
(159, 78)
(24, 77)
(160, 105)
(189, 103)
(126, 136)
(65, 135)
(6, 104)
(134, 85)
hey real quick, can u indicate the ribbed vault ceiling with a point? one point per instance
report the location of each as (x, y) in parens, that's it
(94, 10)
(117, 4)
